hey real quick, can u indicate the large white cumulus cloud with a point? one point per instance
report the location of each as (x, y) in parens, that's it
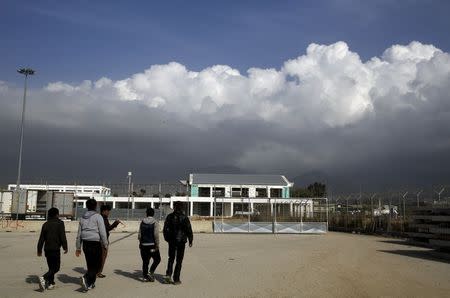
(329, 85)
(326, 92)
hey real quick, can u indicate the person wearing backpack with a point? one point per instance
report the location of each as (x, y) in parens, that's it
(148, 236)
(177, 231)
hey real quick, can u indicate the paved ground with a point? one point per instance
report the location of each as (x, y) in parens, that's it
(332, 265)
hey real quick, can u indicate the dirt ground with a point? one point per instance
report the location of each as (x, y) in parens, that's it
(331, 265)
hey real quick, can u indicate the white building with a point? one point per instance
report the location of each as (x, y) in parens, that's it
(81, 191)
(238, 185)
(234, 192)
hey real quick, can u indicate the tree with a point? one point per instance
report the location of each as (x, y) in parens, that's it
(301, 193)
(317, 189)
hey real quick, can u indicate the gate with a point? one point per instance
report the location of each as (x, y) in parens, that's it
(270, 215)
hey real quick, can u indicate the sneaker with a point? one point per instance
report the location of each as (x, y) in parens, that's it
(167, 279)
(145, 279)
(50, 287)
(42, 283)
(91, 287)
(177, 282)
(100, 275)
(151, 277)
(83, 283)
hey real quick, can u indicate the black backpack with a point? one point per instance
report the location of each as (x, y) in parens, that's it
(147, 233)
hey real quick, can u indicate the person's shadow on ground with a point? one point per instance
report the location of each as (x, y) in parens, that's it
(33, 279)
(80, 270)
(137, 275)
(66, 279)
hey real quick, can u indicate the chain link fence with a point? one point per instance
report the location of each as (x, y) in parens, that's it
(389, 212)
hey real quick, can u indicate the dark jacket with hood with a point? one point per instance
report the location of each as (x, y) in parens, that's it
(177, 228)
(53, 235)
(149, 232)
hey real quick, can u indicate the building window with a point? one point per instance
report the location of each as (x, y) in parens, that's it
(219, 192)
(276, 193)
(204, 192)
(261, 192)
(237, 192)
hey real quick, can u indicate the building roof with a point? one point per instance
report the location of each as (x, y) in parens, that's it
(239, 179)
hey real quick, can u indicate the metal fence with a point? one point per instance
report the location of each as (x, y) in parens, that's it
(270, 215)
(383, 212)
(129, 214)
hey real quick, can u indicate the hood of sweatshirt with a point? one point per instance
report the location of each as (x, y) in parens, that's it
(149, 220)
(88, 214)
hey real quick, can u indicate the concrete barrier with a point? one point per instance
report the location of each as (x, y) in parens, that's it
(198, 226)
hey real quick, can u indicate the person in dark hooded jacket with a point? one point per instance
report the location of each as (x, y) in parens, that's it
(148, 236)
(177, 231)
(52, 238)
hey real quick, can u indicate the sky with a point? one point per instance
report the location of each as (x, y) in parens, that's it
(349, 92)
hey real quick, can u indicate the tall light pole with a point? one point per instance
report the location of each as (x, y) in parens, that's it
(26, 72)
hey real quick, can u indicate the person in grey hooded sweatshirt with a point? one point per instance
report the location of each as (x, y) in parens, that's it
(149, 244)
(92, 236)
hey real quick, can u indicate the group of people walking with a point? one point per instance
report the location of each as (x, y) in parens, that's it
(93, 240)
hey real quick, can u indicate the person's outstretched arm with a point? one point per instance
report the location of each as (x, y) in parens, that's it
(102, 231)
(156, 234)
(78, 241)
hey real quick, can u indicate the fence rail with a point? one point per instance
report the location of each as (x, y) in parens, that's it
(271, 215)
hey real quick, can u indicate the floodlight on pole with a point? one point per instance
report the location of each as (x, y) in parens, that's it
(418, 195)
(439, 193)
(26, 72)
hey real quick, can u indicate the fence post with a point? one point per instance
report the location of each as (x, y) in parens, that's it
(222, 212)
(326, 203)
(275, 215)
(214, 214)
(249, 210)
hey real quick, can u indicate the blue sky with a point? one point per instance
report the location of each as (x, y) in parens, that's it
(73, 41)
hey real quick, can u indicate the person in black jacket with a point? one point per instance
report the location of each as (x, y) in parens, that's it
(104, 211)
(177, 230)
(149, 244)
(53, 236)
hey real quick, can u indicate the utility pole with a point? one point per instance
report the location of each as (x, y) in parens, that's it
(418, 195)
(372, 215)
(439, 193)
(404, 212)
(129, 194)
